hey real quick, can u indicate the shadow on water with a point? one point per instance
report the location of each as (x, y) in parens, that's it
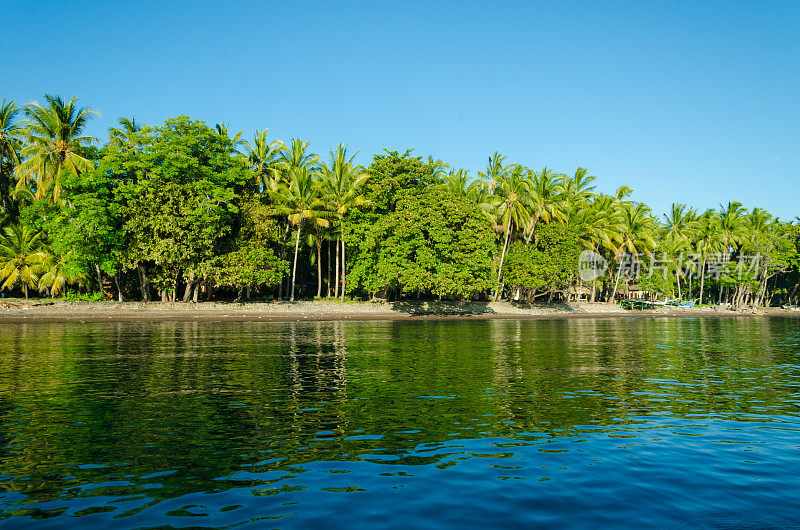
(135, 424)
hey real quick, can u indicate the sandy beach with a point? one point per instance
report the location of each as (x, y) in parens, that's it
(16, 311)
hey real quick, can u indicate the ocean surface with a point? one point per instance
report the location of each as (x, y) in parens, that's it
(606, 422)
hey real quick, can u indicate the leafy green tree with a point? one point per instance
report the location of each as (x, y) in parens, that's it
(547, 265)
(178, 195)
(434, 243)
(85, 229)
(391, 172)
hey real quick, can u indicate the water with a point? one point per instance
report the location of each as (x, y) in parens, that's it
(566, 423)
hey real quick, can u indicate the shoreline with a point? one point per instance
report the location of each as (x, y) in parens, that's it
(21, 311)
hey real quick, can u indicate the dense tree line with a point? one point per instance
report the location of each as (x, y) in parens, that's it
(183, 211)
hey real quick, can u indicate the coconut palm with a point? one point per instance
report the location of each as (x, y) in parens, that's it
(342, 181)
(579, 188)
(264, 157)
(596, 224)
(731, 223)
(623, 192)
(222, 130)
(545, 199)
(20, 254)
(10, 145)
(300, 202)
(297, 155)
(637, 235)
(495, 170)
(458, 182)
(678, 231)
(511, 192)
(54, 143)
(708, 239)
(122, 136)
(54, 272)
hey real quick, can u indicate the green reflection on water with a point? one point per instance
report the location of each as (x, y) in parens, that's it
(159, 410)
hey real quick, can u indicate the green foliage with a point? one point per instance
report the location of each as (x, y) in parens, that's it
(246, 267)
(179, 203)
(392, 172)
(20, 254)
(250, 262)
(177, 193)
(75, 296)
(435, 243)
(549, 263)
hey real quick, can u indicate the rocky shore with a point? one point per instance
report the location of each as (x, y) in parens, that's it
(12, 311)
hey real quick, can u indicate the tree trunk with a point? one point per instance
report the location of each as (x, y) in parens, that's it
(794, 291)
(702, 278)
(678, 281)
(196, 294)
(533, 229)
(144, 285)
(119, 291)
(336, 282)
(344, 262)
(499, 293)
(99, 279)
(616, 284)
(294, 268)
(329, 269)
(187, 293)
(319, 269)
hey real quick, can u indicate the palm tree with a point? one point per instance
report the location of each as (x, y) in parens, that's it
(545, 199)
(122, 136)
(20, 254)
(264, 158)
(297, 155)
(679, 225)
(731, 223)
(495, 170)
(596, 223)
(341, 188)
(623, 192)
(458, 182)
(578, 188)
(637, 234)
(54, 143)
(10, 145)
(222, 130)
(511, 192)
(299, 201)
(55, 272)
(708, 240)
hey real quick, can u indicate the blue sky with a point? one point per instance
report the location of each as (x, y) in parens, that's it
(692, 102)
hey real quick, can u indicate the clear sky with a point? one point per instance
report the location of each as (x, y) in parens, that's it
(691, 101)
